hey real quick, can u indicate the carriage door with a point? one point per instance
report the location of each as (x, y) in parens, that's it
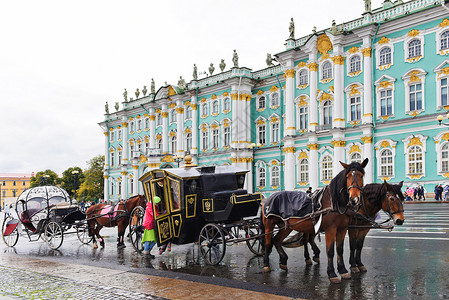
(167, 212)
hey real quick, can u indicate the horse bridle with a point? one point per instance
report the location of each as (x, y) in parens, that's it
(357, 186)
(387, 199)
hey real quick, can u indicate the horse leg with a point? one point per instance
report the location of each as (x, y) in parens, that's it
(100, 238)
(330, 235)
(92, 224)
(340, 262)
(121, 234)
(358, 256)
(315, 249)
(268, 245)
(352, 247)
(277, 241)
(305, 239)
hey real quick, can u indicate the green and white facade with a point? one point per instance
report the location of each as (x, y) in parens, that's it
(370, 87)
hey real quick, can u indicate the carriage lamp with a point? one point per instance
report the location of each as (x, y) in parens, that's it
(440, 119)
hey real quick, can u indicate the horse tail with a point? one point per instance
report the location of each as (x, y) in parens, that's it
(262, 228)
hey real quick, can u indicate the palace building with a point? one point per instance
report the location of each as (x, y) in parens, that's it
(368, 88)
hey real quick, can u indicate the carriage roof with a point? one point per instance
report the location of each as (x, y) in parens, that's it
(196, 172)
(44, 192)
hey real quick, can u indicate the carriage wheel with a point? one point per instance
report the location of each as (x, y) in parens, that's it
(54, 235)
(82, 231)
(135, 226)
(212, 244)
(12, 238)
(255, 245)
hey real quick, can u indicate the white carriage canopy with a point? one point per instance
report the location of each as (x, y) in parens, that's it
(41, 197)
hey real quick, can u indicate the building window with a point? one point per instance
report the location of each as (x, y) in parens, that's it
(14, 193)
(262, 177)
(445, 158)
(326, 70)
(159, 120)
(159, 144)
(14, 183)
(415, 96)
(215, 138)
(147, 123)
(111, 136)
(131, 186)
(188, 112)
(326, 168)
(227, 136)
(303, 117)
(261, 134)
(119, 134)
(275, 99)
(303, 77)
(139, 125)
(204, 110)
(4, 194)
(188, 142)
(131, 127)
(173, 144)
(327, 113)
(24, 183)
(386, 102)
(356, 108)
(173, 116)
(355, 64)
(215, 107)
(415, 160)
(131, 150)
(139, 146)
(205, 139)
(304, 170)
(444, 40)
(385, 56)
(386, 163)
(443, 91)
(119, 188)
(275, 132)
(112, 188)
(275, 178)
(355, 157)
(261, 103)
(119, 157)
(112, 162)
(227, 104)
(414, 48)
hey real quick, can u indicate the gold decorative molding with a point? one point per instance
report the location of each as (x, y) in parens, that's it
(301, 64)
(331, 88)
(354, 74)
(413, 33)
(324, 56)
(171, 91)
(353, 50)
(214, 126)
(354, 90)
(367, 52)
(414, 59)
(384, 144)
(325, 96)
(301, 87)
(384, 84)
(302, 102)
(214, 97)
(274, 88)
(260, 92)
(324, 44)
(125, 124)
(225, 94)
(339, 119)
(303, 183)
(355, 148)
(153, 165)
(135, 167)
(445, 136)
(233, 159)
(260, 122)
(338, 143)
(290, 73)
(105, 176)
(226, 124)
(443, 72)
(188, 130)
(289, 150)
(354, 123)
(172, 134)
(414, 113)
(338, 60)
(124, 173)
(193, 106)
(203, 100)
(158, 136)
(415, 142)
(164, 114)
(386, 179)
(274, 119)
(446, 175)
(384, 40)
(444, 23)
(187, 103)
(180, 110)
(416, 176)
(302, 155)
(313, 146)
(158, 111)
(172, 105)
(106, 133)
(367, 139)
(313, 67)
(384, 67)
(326, 182)
(167, 158)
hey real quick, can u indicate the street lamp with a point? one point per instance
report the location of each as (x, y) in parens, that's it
(253, 147)
(178, 159)
(440, 119)
(75, 177)
(45, 178)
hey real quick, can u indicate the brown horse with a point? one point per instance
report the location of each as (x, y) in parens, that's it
(343, 191)
(375, 197)
(103, 215)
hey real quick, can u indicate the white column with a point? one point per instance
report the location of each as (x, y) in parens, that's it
(338, 118)
(164, 114)
(235, 119)
(367, 83)
(194, 106)
(248, 118)
(314, 177)
(290, 103)
(125, 141)
(105, 187)
(179, 127)
(313, 105)
(368, 152)
(152, 129)
(289, 178)
(135, 180)
(124, 194)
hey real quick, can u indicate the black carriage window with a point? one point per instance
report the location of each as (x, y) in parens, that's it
(175, 192)
(159, 191)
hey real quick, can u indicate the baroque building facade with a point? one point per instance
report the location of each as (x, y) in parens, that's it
(367, 88)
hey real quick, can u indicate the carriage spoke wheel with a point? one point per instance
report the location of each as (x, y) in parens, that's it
(135, 228)
(255, 245)
(54, 235)
(212, 244)
(82, 231)
(11, 239)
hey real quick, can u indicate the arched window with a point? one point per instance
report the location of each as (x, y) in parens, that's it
(204, 110)
(173, 116)
(215, 138)
(119, 188)
(326, 168)
(112, 159)
(275, 99)
(159, 120)
(215, 107)
(159, 144)
(205, 140)
(131, 127)
(356, 108)
(355, 157)
(119, 157)
(326, 70)
(111, 136)
(147, 123)
(385, 56)
(444, 40)
(227, 136)
(355, 64)
(414, 48)
(304, 170)
(303, 77)
(445, 158)
(188, 112)
(275, 132)
(173, 144)
(131, 186)
(261, 103)
(188, 141)
(227, 104)
(262, 177)
(261, 134)
(139, 125)
(275, 178)
(303, 117)
(386, 163)
(327, 112)
(139, 146)
(415, 160)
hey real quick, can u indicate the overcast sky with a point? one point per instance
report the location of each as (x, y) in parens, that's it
(60, 61)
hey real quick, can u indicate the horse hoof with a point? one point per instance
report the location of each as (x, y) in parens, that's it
(335, 280)
(363, 269)
(345, 276)
(266, 269)
(283, 267)
(95, 246)
(308, 261)
(121, 246)
(316, 259)
(355, 270)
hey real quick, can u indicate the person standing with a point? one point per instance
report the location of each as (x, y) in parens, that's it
(149, 235)
(440, 192)
(7, 210)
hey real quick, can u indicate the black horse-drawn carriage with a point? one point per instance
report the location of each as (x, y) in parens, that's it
(205, 205)
(45, 212)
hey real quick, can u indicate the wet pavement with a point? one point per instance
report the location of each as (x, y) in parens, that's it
(411, 262)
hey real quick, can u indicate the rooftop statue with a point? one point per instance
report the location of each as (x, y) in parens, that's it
(235, 59)
(125, 95)
(182, 83)
(314, 29)
(137, 93)
(106, 108)
(222, 65)
(153, 86)
(116, 106)
(195, 72)
(269, 60)
(211, 69)
(334, 28)
(144, 91)
(291, 29)
(367, 5)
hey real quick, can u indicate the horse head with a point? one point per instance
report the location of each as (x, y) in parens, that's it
(138, 200)
(392, 203)
(354, 179)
